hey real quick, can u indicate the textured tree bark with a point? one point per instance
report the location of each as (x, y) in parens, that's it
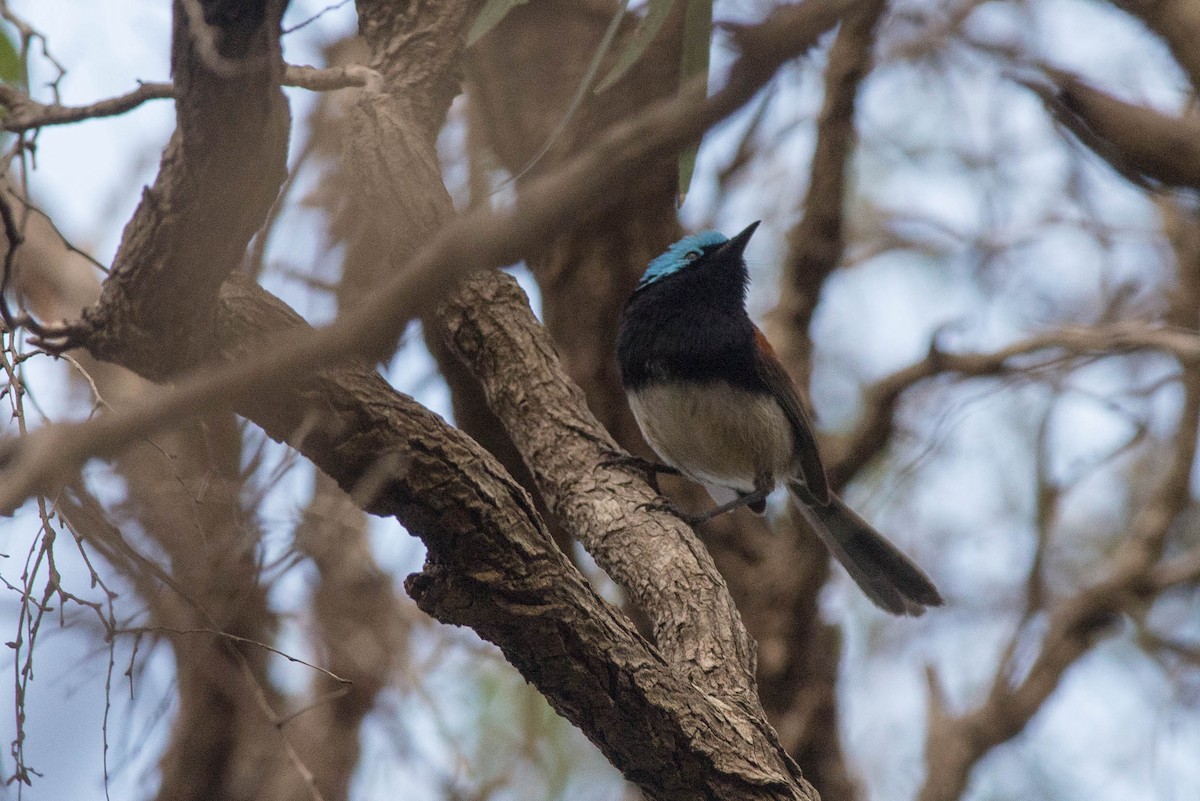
(588, 271)
(376, 247)
(493, 567)
(491, 564)
(495, 333)
(590, 267)
(219, 176)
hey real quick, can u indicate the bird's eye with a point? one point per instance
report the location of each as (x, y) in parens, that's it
(692, 255)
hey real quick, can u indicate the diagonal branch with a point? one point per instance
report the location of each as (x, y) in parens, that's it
(1147, 147)
(491, 564)
(475, 241)
(493, 330)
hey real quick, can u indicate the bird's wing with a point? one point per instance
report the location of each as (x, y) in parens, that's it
(770, 370)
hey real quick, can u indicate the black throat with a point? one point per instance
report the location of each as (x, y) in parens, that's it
(690, 326)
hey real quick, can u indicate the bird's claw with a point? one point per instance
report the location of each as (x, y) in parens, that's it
(650, 470)
(666, 507)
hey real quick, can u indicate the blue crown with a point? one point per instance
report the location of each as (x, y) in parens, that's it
(680, 255)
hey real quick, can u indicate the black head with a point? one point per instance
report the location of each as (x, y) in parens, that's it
(704, 252)
(687, 319)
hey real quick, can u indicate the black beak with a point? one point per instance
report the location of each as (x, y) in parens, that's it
(734, 247)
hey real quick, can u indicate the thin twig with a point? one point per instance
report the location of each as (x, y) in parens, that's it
(25, 113)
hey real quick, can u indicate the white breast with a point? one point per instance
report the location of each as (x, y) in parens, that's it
(716, 433)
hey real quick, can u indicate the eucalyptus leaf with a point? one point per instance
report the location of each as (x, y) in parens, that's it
(490, 16)
(646, 30)
(585, 84)
(11, 70)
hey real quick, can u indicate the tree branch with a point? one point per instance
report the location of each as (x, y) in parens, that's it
(847, 455)
(815, 243)
(477, 240)
(1149, 148)
(493, 330)
(956, 743)
(23, 113)
(799, 686)
(491, 564)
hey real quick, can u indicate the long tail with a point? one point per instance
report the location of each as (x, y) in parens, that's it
(888, 577)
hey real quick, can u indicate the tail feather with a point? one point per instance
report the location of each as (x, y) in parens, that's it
(889, 578)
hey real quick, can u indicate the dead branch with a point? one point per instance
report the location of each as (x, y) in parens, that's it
(491, 564)
(23, 113)
(1147, 147)
(956, 742)
(848, 454)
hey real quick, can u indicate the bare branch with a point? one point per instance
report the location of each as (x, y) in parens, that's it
(815, 243)
(477, 240)
(956, 743)
(1144, 145)
(23, 113)
(847, 455)
(491, 564)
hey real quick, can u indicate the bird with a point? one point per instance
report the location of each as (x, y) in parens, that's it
(716, 405)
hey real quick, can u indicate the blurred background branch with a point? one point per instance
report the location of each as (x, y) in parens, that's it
(988, 290)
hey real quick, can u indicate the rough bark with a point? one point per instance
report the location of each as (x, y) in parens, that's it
(218, 178)
(374, 249)
(589, 267)
(490, 563)
(585, 275)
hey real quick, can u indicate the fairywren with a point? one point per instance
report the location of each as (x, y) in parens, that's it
(715, 403)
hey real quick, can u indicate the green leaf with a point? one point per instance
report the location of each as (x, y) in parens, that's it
(646, 30)
(697, 40)
(610, 35)
(687, 166)
(11, 69)
(492, 13)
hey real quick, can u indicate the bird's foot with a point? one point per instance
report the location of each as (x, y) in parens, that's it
(756, 501)
(650, 470)
(665, 506)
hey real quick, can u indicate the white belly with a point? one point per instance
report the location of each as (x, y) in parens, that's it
(717, 434)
